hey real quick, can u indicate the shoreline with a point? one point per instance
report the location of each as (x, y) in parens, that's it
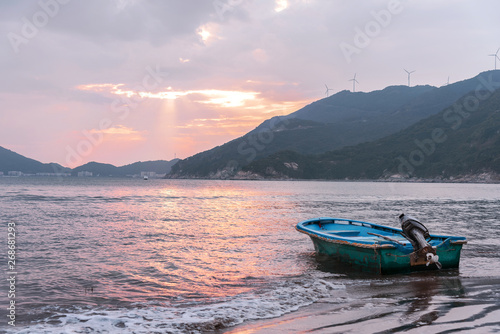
(480, 178)
(409, 180)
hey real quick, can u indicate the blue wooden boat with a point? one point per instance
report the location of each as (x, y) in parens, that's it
(383, 249)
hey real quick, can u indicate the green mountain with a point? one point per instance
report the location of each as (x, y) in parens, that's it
(12, 161)
(461, 140)
(341, 120)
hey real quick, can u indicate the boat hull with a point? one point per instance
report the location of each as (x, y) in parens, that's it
(381, 257)
(383, 261)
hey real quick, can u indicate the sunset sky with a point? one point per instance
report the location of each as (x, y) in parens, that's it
(119, 81)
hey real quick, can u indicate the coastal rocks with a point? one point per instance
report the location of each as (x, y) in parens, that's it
(484, 177)
(241, 175)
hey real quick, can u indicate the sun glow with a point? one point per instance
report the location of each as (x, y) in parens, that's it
(204, 33)
(281, 5)
(227, 98)
(223, 98)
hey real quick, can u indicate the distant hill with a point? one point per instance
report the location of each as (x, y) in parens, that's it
(341, 120)
(12, 161)
(462, 140)
(159, 167)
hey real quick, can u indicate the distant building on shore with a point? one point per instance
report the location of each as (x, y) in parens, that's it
(14, 173)
(54, 174)
(148, 174)
(84, 174)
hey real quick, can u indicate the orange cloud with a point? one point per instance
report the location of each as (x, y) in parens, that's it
(223, 98)
(120, 132)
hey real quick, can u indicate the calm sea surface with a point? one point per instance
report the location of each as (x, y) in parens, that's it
(99, 255)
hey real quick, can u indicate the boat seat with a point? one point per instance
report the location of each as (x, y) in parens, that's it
(346, 233)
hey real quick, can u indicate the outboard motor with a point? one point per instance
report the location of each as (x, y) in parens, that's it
(417, 233)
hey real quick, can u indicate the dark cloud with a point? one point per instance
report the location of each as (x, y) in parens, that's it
(155, 21)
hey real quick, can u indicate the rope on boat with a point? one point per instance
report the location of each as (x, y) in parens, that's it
(387, 238)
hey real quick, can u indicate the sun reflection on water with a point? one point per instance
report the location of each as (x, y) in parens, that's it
(165, 250)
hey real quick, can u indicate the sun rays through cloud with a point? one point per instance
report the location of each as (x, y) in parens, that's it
(218, 115)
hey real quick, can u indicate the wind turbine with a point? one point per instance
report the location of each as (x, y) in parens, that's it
(327, 90)
(447, 82)
(496, 56)
(354, 81)
(409, 74)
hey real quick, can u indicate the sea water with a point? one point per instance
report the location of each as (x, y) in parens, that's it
(106, 255)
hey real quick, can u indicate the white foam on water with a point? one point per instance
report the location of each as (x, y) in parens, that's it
(287, 296)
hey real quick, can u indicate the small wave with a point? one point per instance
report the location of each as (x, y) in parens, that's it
(40, 198)
(287, 296)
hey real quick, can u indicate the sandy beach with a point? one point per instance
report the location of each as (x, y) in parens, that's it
(430, 304)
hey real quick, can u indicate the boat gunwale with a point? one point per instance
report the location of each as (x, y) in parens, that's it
(302, 227)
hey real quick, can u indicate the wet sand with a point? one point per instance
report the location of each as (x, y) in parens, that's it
(421, 303)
